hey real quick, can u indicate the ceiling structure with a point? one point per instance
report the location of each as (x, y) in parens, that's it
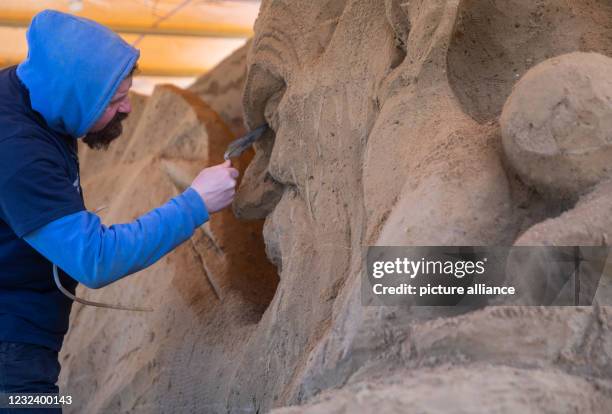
(176, 38)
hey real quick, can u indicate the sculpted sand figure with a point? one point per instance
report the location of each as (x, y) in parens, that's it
(385, 130)
(556, 136)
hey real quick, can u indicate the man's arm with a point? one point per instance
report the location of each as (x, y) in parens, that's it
(96, 255)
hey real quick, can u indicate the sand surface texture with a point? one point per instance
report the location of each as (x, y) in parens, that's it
(393, 123)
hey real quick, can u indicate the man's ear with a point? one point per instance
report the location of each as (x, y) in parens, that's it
(133, 71)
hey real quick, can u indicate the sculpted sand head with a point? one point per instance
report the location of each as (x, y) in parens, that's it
(557, 124)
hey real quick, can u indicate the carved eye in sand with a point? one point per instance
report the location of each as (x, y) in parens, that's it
(259, 193)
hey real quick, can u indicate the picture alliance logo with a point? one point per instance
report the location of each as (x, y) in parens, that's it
(412, 268)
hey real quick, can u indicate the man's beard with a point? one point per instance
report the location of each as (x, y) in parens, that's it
(103, 138)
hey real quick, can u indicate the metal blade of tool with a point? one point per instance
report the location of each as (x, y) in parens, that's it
(237, 147)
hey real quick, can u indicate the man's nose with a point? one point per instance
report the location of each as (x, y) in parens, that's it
(125, 106)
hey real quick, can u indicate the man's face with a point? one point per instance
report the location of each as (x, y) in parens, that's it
(108, 127)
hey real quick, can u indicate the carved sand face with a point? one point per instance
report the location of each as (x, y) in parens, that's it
(358, 124)
(320, 124)
(393, 119)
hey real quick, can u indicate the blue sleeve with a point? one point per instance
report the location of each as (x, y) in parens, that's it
(96, 255)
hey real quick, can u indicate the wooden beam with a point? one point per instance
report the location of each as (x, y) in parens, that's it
(232, 32)
(142, 70)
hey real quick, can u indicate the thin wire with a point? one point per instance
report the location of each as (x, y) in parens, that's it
(65, 291)
(90, 303)
(162, 19)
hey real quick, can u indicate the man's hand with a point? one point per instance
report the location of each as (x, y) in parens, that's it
(216, 185)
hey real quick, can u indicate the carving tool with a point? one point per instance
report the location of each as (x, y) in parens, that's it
(237, 147)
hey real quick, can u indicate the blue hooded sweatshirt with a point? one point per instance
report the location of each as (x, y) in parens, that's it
(72, 71)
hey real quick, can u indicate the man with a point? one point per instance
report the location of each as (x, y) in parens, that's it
(74, 83)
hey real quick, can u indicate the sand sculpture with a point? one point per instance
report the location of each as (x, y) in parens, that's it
(222, 87)
(393, 123)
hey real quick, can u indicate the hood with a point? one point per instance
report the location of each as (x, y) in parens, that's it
(73, 68)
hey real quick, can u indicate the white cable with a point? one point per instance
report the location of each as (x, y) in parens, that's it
(90, 303)
(87, 302)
